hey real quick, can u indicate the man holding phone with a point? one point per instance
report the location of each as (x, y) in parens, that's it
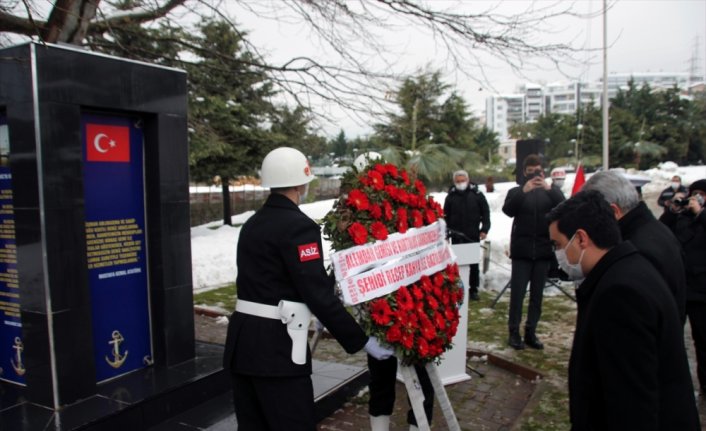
(530, 248)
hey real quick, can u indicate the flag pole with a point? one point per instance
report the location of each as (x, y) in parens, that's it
(605, 86)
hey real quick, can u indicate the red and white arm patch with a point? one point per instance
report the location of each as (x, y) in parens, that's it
(309, 252)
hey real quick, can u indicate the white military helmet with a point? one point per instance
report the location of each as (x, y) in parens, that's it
(285, 167)
(362, 161)
(558, 174)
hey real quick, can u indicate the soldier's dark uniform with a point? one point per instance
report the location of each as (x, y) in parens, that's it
(280, 257)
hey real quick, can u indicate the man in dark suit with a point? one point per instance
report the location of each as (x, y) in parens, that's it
(652, 238)
(530, 249)
(628, 368)
(468, 219)
(281, 277)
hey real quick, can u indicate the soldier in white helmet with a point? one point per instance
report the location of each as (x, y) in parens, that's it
(281, 282)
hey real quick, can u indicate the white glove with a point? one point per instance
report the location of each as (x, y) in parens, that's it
(376, 350)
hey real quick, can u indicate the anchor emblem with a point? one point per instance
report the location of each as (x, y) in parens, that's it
(18, 366)
(118, 359)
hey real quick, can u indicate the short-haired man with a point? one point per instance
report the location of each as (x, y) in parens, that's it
(667, 196)
(468, 219)
(628, 368)
(530, 249)
(652, 238)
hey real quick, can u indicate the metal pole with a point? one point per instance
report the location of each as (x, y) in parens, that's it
(605, 86)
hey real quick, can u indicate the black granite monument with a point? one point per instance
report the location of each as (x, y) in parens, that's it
(96, 312)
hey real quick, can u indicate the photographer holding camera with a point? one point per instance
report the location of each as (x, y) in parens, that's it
(687, 219)
(530, 249)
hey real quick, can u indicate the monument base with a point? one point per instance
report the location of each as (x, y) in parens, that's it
(196, 392)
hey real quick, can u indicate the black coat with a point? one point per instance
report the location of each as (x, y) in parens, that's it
(690, 230)
(270, 269)
(530, 231)
(467, 212)
(658, 244)
(628, 368)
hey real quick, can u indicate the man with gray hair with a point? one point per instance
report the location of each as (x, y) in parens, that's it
(651, 237)
(467, 218)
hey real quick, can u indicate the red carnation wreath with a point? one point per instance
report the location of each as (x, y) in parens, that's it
(419, 319)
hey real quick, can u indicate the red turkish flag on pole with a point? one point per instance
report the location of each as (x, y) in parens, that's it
(578, 182)
(107, 143)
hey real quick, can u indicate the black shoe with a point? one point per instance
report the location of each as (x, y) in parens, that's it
(532, 341)
(474, 296)
(515, 341)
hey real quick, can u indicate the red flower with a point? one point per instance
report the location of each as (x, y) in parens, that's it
(358, 233)
(358, 200)
(376, 180)
(402, 220)
(404, 299)
(394, 334)
(380, 311)
(405, 177)
(417, 293)
(407, 340)
(439, 320)
(426, 283)
(392, 170)
(382, 169)
(429, 216)
(419, 185)
(452, 272)
(417, 220)
(438, 209)
(387, 209)
(375, 211)
(438, 279)
(433, 303)
(423, 348)
(378, 230)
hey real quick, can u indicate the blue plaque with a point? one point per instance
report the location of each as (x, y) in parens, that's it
(11, 347)
(113, 160)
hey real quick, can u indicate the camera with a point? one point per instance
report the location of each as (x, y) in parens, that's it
(534, 174)
(684, 202)
(681, 202)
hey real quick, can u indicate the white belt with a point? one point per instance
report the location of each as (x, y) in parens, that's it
(295, 315)
(257, 309)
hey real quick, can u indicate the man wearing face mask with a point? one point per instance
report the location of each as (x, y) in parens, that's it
(468, 219)
(652, 239)
(281, 282)
(628, 367)
(530, 249)
(667, 196)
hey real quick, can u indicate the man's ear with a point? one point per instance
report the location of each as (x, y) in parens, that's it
(617, 212)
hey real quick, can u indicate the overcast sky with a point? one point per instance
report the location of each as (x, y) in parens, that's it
(643, 35)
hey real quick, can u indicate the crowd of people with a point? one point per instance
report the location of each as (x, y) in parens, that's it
(637, 280)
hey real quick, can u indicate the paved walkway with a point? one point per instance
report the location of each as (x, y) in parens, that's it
(492, 403)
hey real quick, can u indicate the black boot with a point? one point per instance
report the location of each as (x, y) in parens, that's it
(515, 340)
(532, 341)
(473, 294)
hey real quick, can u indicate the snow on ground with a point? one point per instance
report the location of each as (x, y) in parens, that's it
(213, 246)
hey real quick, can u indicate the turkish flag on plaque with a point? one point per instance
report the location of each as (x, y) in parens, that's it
(106, 143)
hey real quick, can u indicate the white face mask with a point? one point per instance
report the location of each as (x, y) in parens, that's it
(573, 270)
(559, 183)
(462, 186)
(675, 185)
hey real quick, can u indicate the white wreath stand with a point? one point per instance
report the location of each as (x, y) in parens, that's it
(453, 363)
